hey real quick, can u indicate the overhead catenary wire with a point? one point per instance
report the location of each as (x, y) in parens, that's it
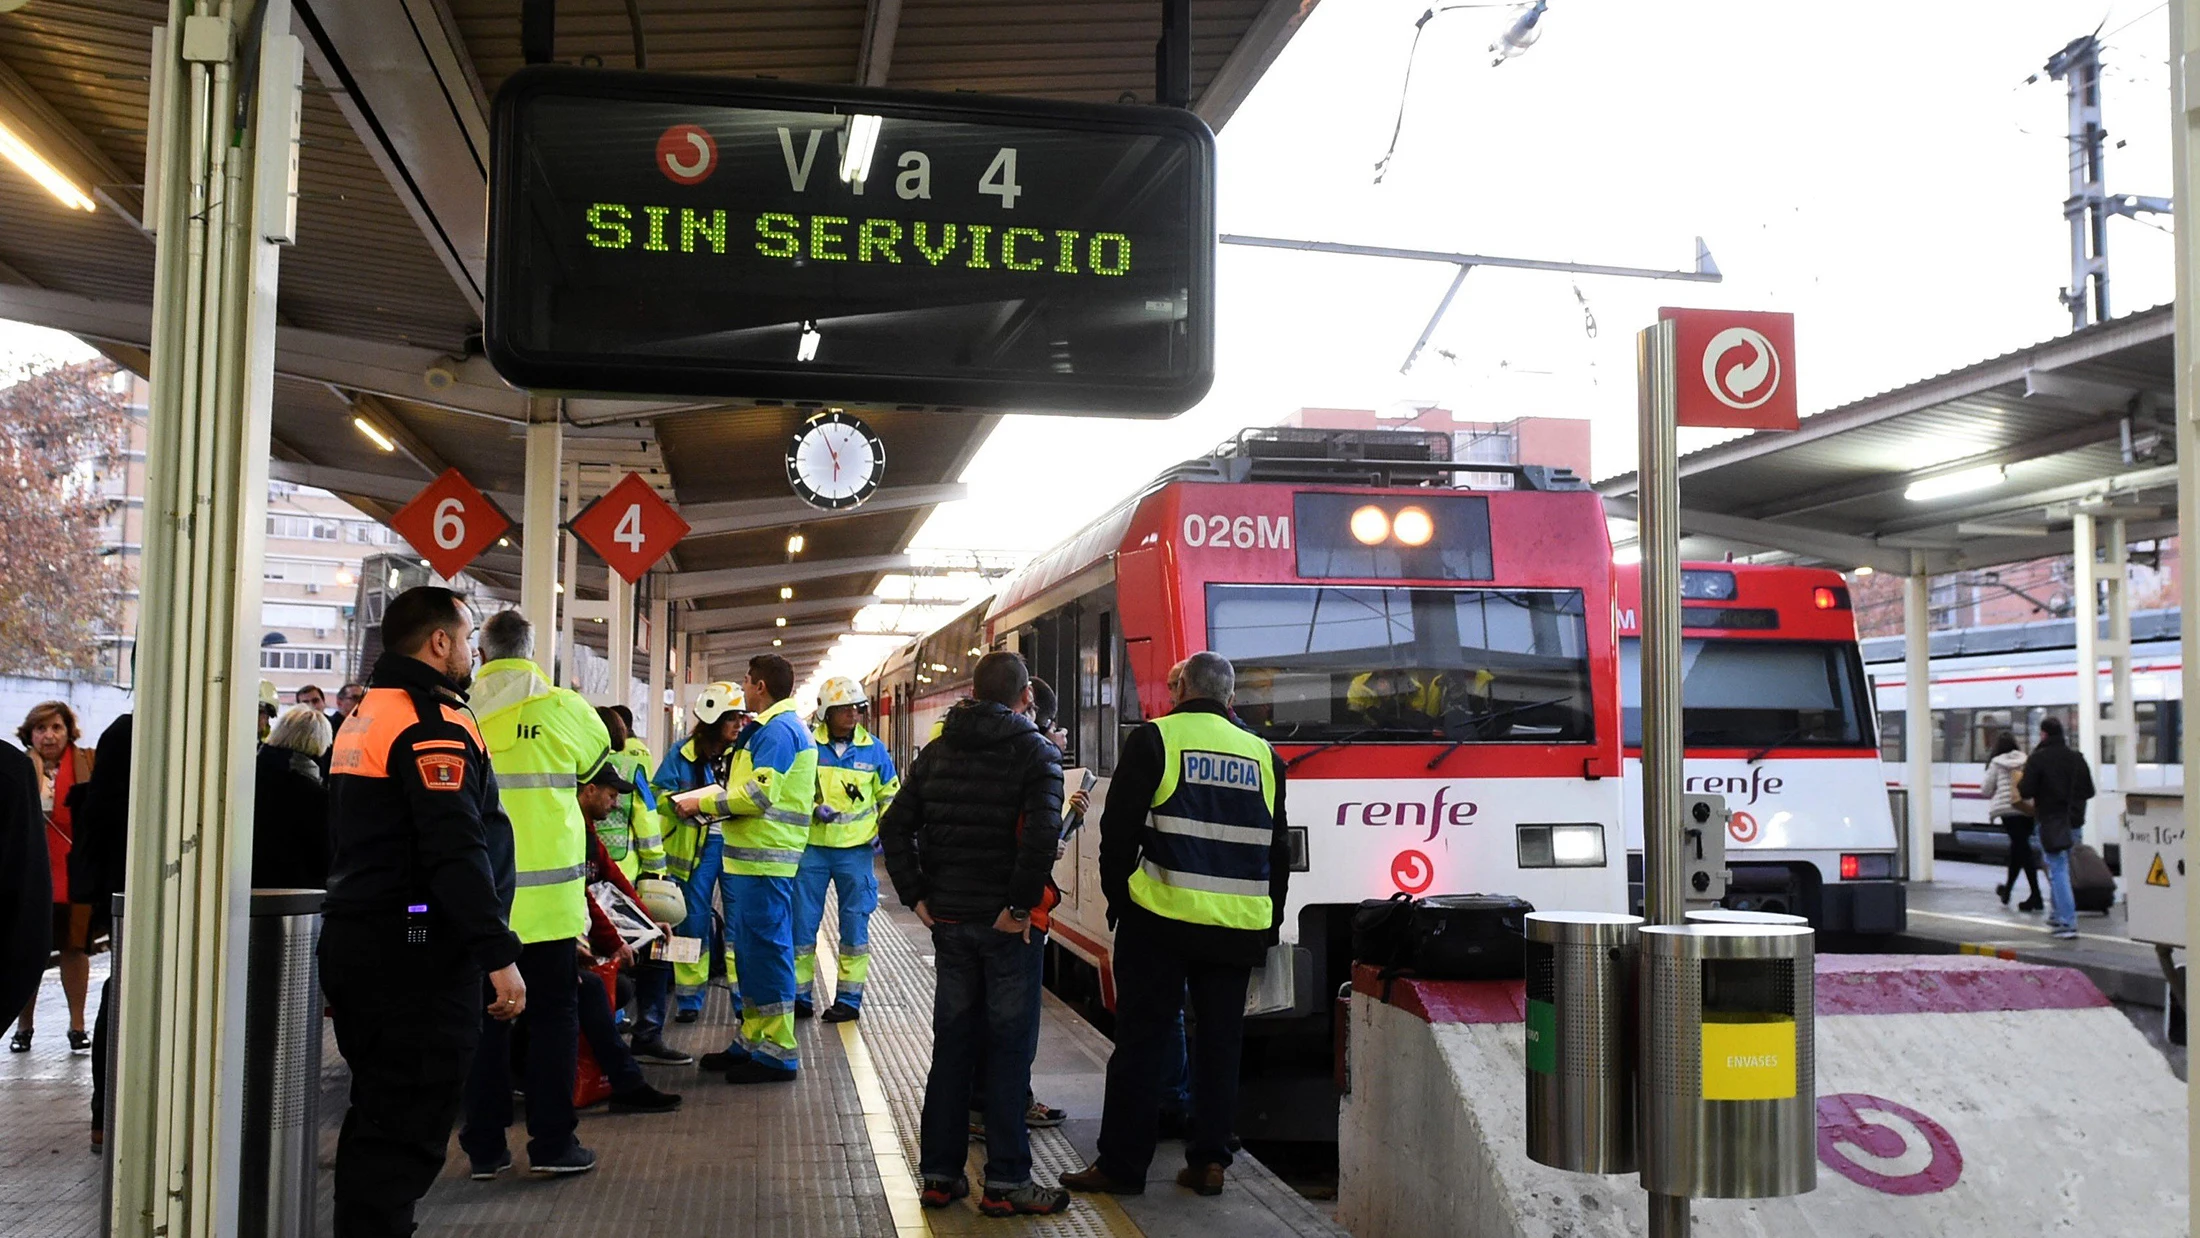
(1405, 88)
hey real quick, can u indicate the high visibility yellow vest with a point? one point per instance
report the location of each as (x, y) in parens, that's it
(769, 796)
(543, 742)
(1207, 840)
(854, 786)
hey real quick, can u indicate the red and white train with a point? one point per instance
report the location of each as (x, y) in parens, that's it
(1438, 667)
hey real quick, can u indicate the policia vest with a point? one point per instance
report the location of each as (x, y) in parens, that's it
(1212, 825)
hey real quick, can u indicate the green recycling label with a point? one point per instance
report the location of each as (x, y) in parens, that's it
(1542, 1037)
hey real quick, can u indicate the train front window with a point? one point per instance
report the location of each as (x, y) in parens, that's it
(1321, 665)
(1758, 694)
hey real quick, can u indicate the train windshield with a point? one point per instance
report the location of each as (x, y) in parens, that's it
(1758, 694)
(1340, 663)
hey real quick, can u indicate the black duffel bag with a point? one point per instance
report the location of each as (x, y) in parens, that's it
(1443, 936)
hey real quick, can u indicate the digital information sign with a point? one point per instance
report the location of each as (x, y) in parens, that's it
(653, 234)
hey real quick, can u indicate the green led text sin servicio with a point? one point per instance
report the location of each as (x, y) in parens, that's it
(838, 238)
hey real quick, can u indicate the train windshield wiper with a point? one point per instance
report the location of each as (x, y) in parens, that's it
(1761, 753)
(1347, 738)
(1478, 719)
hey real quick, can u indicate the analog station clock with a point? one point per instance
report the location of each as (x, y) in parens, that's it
(834, 461)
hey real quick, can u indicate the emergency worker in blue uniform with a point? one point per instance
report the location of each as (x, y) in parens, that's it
(855, 782)
(695, 848)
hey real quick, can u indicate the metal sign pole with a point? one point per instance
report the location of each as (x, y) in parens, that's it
(1659, 535)
(2184, 43)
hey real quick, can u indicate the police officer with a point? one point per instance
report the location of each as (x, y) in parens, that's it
(769, 794)
(544, 742)
(855, 783)
(1194, 860)
(420, 883)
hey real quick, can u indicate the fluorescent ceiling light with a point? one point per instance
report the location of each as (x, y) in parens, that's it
(1962, 481)
(379, 439)
(855, 160)
(34, 165)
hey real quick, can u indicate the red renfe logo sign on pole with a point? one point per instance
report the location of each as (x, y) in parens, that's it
(1734, 368)
(630, 526)
(450, 523)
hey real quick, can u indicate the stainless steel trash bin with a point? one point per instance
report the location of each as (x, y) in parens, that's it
(1729, 1071)
(282, 1066)
(1722, 915)
(1581, 1070)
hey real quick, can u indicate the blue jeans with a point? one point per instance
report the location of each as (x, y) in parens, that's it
(988, 994)
(1176, 1075)
(848, 870)
(652, 994)
(2062, 905)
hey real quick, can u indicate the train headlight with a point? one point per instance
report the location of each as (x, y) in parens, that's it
(1370, 525)
(1413, 526)
(1572, 845)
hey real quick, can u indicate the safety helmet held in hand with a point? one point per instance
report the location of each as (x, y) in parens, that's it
(841, 690)
(663, 899)
(712, 702)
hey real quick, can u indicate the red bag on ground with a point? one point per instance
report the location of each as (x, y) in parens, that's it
(590, 1084)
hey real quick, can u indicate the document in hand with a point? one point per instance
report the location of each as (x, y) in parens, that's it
(686, 801)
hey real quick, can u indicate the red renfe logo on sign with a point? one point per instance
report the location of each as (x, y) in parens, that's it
(630, 526)
(450, 523)
(1734, 369)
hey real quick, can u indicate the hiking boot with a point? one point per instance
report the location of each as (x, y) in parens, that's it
(483, 1171)
(661, 1053)
(803, 1009)
(940, 1192)
(1095, 1180)
(1043, 1117)
(841, 1012)
(749, 1070)
(1205, 1179)
(1030, 1199)
(575, 1160)
(644, 1099)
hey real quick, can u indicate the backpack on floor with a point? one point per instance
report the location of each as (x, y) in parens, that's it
(2091, 884)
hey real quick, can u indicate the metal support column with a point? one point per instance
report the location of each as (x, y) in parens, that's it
(1917, 713)
(2184, 48)
(1659, 534)
(660, 633)
(538, 562)
(2122, 711)
(222, 128)
(568, 672)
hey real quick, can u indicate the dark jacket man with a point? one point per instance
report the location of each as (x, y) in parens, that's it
(2058, 782)
(974, 828)
(26, 902)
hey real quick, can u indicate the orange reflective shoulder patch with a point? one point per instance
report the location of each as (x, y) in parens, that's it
(441, 771)
(363, 743)
(466, 721)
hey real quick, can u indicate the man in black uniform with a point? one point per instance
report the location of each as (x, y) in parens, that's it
(420, 887)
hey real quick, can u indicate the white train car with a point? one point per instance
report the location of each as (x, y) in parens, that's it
(2007, 678)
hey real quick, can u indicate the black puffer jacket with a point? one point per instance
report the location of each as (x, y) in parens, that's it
(974, 827)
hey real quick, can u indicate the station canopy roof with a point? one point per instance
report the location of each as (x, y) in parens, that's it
(380, 300)
(1980, 466)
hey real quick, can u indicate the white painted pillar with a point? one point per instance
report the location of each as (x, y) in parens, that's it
(660, 624)
(2184, 50)
(618, 638)
(218, 199)
(539, 531)
(1917, 697)
(2085, 592)
(567, 673)
(2122, 710)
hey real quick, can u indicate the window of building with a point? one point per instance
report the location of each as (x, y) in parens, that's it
(297, 659)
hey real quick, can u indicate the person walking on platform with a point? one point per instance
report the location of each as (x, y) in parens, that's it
(420, 885)
(2059, 782)
(1194, 861)
(50, 733)
(855, 783)
(26, 901)
(969, 842)
(630, 1091)
(2006, 805)
(695, 849)
(767, 800)
(544, 741)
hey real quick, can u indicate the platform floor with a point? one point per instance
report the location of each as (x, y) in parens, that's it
(828, 1157)
(1959, 909)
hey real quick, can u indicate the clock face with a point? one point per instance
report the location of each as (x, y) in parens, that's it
(834, 461)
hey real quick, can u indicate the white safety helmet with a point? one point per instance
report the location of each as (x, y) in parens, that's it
(713, 702)
(841, 690)
(663, 899)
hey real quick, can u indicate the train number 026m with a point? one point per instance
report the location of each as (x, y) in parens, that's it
(1243, 532)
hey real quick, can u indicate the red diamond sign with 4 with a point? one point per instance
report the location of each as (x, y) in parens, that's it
(630, 526)
(450, 523)
(1734, 369)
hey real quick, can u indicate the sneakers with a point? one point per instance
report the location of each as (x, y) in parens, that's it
(1043, 1117)
(749, 1070)
(80, 1044)
(686, 1015)
(1030, 1199)
(644, 1099)
(1205, 1179)
(661, 1053)
(2065, 934)
(803, 1009)
(717, 1063)
(576, 1160)
(940, 1192)
(842, 1012)
(1095, 1180)
(483, 1171)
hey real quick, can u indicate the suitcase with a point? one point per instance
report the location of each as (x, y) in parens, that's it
(1470, 937)
(2092, 886)
(590, 1084)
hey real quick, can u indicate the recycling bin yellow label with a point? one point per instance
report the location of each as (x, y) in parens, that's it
(1748, 1057)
